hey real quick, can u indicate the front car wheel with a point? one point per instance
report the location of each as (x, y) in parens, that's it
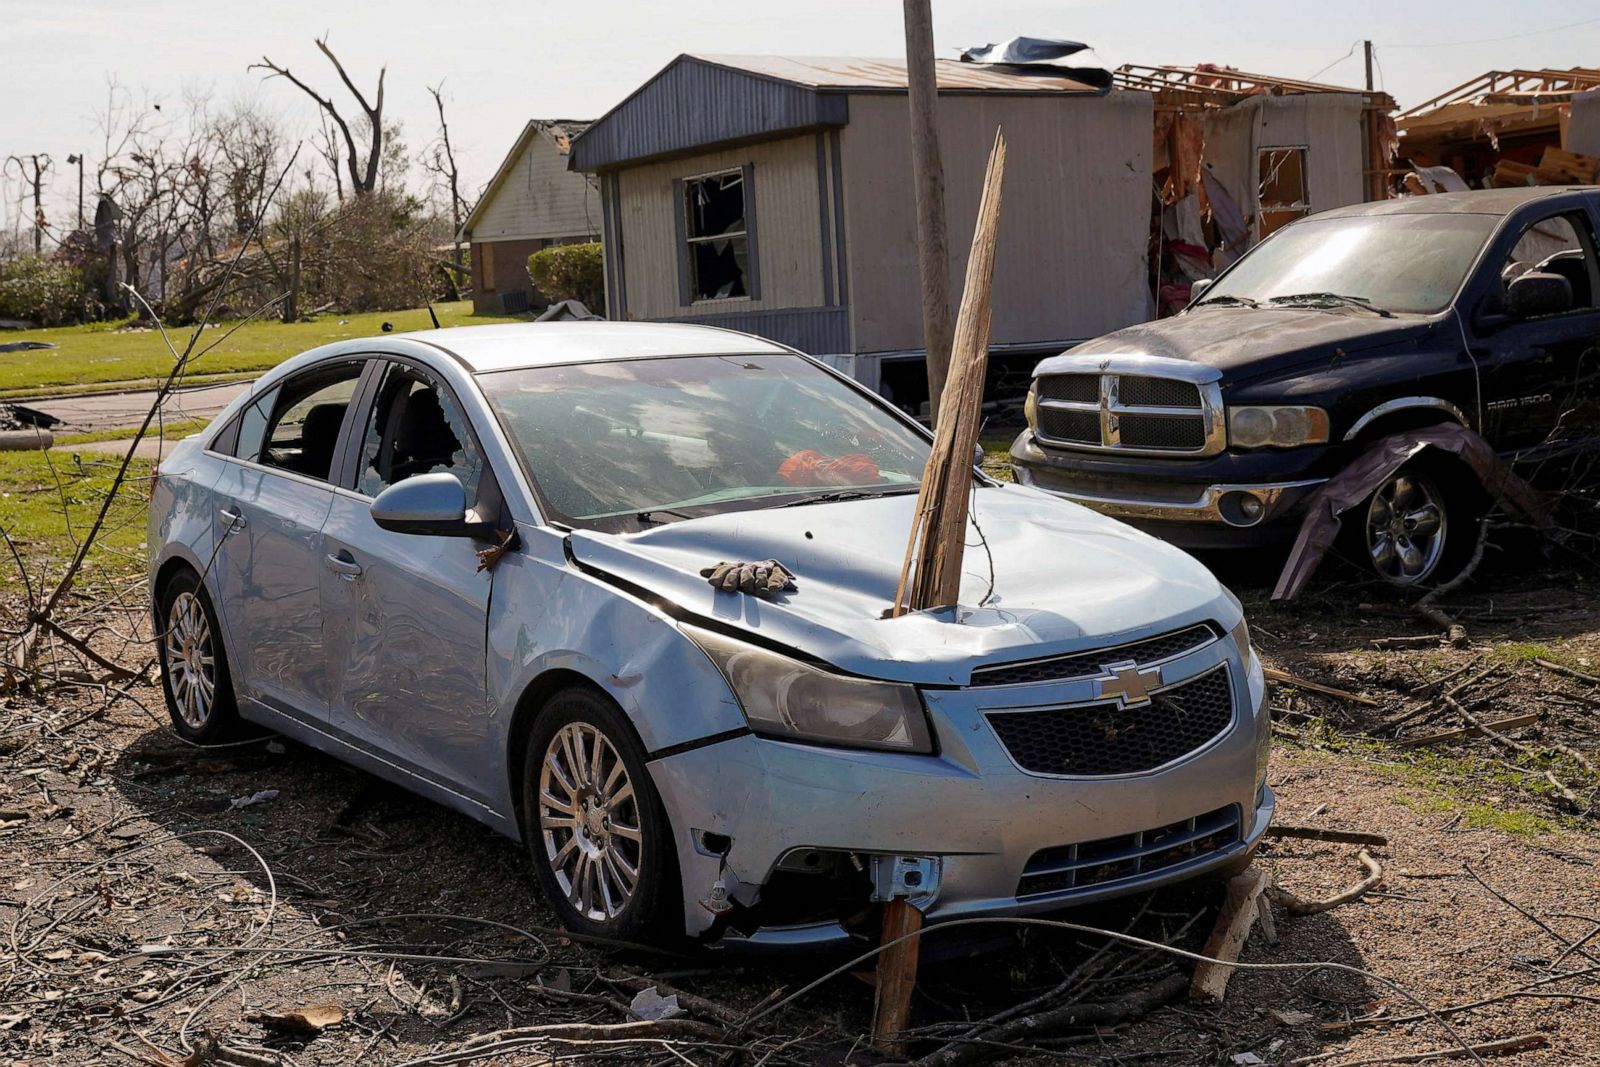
(596, 831)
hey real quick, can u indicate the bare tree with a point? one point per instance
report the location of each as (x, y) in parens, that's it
(442, 163)
(36, 182)
(364, 174)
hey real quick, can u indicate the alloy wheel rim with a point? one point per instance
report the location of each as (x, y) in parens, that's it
(191, 659)
(589, 820)
(1405, 529)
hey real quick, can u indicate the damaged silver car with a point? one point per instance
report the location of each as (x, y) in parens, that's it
(471, 562)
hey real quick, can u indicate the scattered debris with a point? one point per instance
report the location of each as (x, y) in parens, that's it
(1239, 913)
(311, 1020)
(259, 797)
(1283, 677)
(650, 1005)
(1318, 833)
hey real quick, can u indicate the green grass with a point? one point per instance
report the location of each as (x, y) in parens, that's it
(101, 353)
(172, 431)
(48, 500)
(997, 457)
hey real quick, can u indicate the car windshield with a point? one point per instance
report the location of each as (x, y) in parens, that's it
(1398, 263)
(625, 444)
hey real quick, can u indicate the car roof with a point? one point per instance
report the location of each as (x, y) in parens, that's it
(1471, 202)
(510, 346)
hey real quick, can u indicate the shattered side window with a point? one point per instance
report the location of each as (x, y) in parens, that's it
(718, 236)
(1560, 244)
(1284, 195)
(625, 444)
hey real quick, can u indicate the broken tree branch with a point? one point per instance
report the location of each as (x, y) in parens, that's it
(1234, 922)
(1295, 906)
(1318, 833)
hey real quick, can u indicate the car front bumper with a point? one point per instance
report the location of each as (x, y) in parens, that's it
(970, 809)
(1191, 502)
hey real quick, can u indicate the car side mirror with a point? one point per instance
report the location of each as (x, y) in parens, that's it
(1197, 289)
(1537, 293)
(427, 504)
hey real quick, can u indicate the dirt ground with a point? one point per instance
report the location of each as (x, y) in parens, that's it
(145, 905)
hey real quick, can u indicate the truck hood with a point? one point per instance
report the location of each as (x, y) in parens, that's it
(1063, 579)
(1243, 341)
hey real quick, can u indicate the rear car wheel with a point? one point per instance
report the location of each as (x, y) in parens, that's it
(596, 831)
(1419, 527)
(194, 667)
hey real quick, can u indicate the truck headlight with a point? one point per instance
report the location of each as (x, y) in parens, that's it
(1276, 427)
(785, 698)
(1030, 407)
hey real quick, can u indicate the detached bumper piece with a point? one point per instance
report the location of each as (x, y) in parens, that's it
(1106, 739)
(1093, 864)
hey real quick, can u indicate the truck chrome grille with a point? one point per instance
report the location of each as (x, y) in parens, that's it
(1088, 664)
(1103, 739)
(1140, 413)
(1065, 868)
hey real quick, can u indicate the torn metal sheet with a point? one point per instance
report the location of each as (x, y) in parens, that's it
(1023, 50)
(1369, 470)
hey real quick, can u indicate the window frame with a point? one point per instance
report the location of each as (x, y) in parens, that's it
(489, 499)
(1588, 242)
(685, 242)
(274, 394)
(1300, 208)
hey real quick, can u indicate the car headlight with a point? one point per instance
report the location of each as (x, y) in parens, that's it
(1276, 427)
(1241, 639)
(785, 698)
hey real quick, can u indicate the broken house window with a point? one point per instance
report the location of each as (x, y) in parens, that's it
(1283, 192)
(717, 236)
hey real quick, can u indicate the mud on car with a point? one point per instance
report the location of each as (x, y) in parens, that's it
(1213, 428)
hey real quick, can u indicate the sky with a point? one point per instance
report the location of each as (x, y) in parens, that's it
(504, 63)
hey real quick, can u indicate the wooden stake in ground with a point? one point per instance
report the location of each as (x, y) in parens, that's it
(897, 976)
(1238, 915)
(931, 574)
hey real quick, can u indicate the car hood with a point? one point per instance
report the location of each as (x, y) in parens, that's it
(1233, 339)
(1063, 578)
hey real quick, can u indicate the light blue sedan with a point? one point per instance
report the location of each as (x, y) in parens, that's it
(470, 561)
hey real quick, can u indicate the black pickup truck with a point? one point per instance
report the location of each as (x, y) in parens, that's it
(1211, 428)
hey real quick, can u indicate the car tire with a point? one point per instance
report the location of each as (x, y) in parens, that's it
(600, 841)
(194, 665)
(1420, 526)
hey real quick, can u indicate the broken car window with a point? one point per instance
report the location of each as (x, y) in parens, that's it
(1560, 245)
(1400, 263)
(630, 443)
(719, 242)
(416, 428)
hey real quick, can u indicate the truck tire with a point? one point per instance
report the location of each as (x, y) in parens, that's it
(1420, 526)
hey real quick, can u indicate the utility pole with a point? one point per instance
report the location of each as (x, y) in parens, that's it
(37, 181)
(1366, 46)
(77, 157)
(933, 255)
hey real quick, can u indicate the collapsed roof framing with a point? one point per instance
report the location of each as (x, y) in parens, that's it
(1529, 88)
(1207, 85)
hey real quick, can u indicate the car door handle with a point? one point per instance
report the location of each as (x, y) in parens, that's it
(234, 519)
(342, 564)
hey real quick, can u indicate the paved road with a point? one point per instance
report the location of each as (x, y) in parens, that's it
(115, 411)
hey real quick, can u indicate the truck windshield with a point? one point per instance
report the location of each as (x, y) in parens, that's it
(628, 444)
(1398, 263)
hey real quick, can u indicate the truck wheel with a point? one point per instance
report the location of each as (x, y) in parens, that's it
(1420, 526)
(596, 831)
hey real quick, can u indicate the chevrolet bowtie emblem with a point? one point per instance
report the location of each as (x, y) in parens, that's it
(1127, 684)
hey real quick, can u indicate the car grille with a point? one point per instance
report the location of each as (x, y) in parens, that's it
(1088, 664)
(1113, 859)
(1094, 740)
(1141, 412)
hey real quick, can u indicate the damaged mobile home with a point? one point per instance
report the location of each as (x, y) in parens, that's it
(774, 195)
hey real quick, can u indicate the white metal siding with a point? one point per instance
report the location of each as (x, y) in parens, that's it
(540, 198)
(787, 220)
(1074, 223)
